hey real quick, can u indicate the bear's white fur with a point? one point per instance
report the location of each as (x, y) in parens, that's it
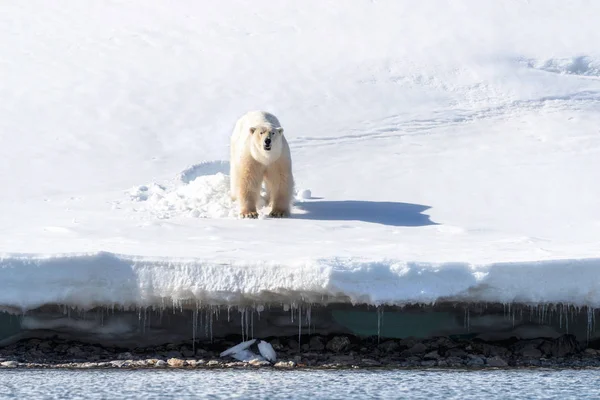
(252, 160)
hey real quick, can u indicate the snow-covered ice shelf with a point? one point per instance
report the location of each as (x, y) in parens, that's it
(451, 151)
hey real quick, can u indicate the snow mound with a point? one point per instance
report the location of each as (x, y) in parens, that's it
(203, 169)
(580, 65)
(204, 197)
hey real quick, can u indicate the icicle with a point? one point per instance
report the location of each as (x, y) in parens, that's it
(206, 324)
(242, 322)
(247, 324)
(589, 323)
(379, 321)
(308, 317)
(299, 325)
(211, 324)
(252, 323)
(194, 328)
(513, 317)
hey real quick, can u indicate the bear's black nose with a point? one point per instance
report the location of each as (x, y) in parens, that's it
(267, 142)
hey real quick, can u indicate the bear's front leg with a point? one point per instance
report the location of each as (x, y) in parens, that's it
(248, 191)
(280, 183)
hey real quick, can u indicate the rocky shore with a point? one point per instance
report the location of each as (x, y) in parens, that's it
(334, 352)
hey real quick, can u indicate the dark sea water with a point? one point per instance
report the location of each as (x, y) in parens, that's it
(269, 384)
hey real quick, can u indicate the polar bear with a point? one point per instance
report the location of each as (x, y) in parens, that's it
(259, 151)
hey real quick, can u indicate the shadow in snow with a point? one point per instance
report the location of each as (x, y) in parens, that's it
(376, 212)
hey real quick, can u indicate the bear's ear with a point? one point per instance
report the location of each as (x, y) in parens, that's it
(279, 130)
(252, 130)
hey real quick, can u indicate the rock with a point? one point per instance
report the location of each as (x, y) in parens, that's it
(187, 353)
(9, 364)
(285, 364)
(117, 363)
(418, 348)
(408, 343)
(369, 362)
(341, 358)
(45, 347)
(428, 363)
(442, 343)
(176, 362)
(561, 346)
(173, 354)
(496, 361)
(338, 344)
(87, 365)
(160, 364)
(316, 343)
(530, 352)
(75, 351)
(432, 355)
(33, 353)
(475, 361)
(389, 346)
(260, 363)
(61, 348)
(293, 345)
(455, 362)
(125, 356)
(456, 352)
(235, 364)
(213, 363)
(276, 343)
(489, 350)
(200, 362)
(591, 352)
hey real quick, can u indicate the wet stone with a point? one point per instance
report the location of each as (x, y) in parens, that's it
(260, 363)
(9, 364)
(389, 346)
(496, 361)
(418, 348)
(161, 364)
(591, 352)
(432, 355)
(475, 361)
(316, 343)
(285, 364)
(456, 352)
(530, 353)
(235, 364)
(338, 344)
(176, 362)
(369, 362)
(173, 354)
(125, 356)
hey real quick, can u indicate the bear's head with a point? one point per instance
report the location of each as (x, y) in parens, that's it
(266, 142)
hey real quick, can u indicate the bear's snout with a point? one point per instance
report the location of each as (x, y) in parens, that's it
(267, 145)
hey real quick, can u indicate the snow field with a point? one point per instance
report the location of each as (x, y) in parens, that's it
(441, 151)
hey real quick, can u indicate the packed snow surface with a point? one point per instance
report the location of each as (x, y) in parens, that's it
(441, 150)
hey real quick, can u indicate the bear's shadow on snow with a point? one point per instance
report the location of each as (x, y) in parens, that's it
(376, 212)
